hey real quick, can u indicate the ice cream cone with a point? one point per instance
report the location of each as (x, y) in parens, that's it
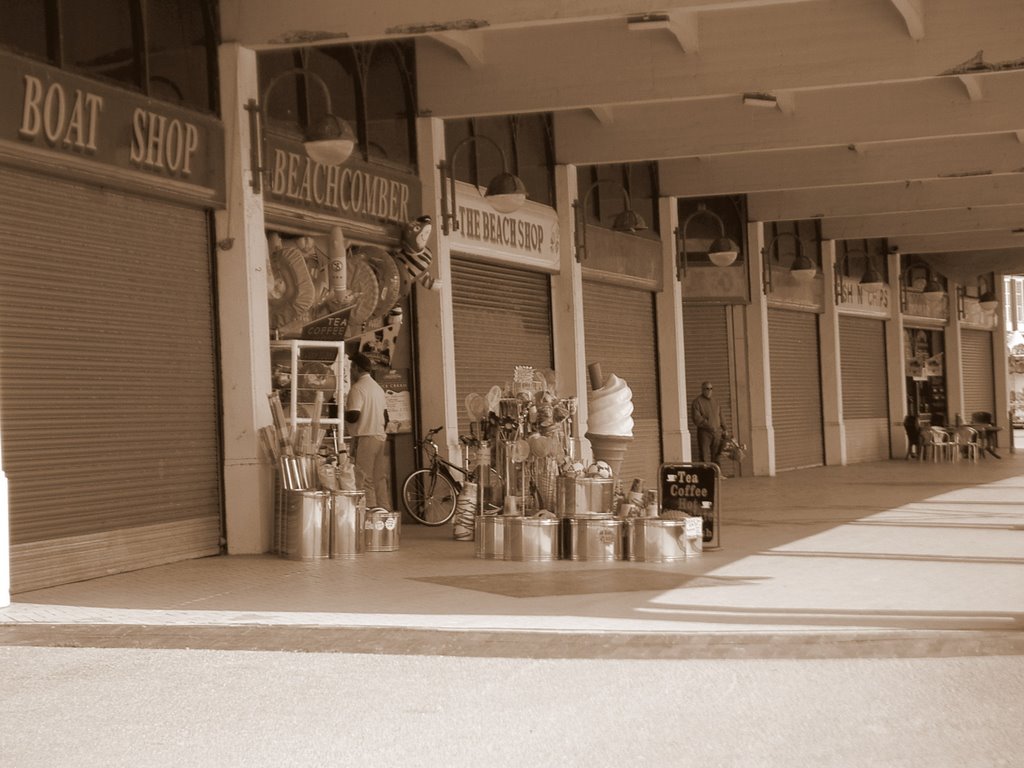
(610, 449)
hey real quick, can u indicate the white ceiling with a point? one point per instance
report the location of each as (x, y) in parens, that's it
(892, 118)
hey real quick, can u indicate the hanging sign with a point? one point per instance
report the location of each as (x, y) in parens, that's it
(353, 190)
(527, 236)
(72, 116)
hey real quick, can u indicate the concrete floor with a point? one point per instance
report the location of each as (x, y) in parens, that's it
(873, 550)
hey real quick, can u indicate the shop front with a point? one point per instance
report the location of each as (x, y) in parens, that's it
(621, 278)
(346, 245)
(924, 355)
(108, 343)
(795, 303)
(501, 295)
(864, 304)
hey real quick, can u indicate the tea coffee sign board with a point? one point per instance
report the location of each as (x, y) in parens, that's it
(692, 490)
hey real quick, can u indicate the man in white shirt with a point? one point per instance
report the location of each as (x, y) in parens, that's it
(366, 414)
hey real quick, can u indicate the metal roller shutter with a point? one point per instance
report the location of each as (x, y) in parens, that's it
(708, 358)
(796, 389)
(109, 391)
(620, 333)
(978, 376)
(502, 319)
(865, 389)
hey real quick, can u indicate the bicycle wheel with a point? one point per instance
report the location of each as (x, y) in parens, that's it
(494, 492)
(429, 497)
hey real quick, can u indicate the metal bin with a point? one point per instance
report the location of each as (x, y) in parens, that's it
(382, 529)
(348, 510)
(307, 529)
(593, 538)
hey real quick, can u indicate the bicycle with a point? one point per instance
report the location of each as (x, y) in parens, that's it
(430, 494)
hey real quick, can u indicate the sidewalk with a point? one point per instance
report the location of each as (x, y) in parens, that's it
(875, 551)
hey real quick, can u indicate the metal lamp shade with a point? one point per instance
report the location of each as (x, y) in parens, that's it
(723, 252)
(506, 192)
(331, 142)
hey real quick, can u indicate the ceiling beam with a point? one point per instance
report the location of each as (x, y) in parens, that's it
(271, 23)
(1001, 219)
(913, 16)
(890, 197)
(469, 45)
(794, 47)
(931, 108)
(900, 161)
(965, 241)
(682, 25)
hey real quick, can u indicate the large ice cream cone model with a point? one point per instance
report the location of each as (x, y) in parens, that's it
(609, 418)
(610, 449)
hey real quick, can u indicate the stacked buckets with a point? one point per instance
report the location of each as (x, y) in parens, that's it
(314, 525)
(586, 530)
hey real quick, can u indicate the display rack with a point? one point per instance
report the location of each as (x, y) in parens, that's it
(303, 368)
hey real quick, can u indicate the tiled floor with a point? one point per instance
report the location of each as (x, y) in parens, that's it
(891, 547)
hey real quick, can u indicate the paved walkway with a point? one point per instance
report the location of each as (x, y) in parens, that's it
(872, 552)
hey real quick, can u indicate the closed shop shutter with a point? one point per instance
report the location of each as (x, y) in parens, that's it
(796, 389)
(865, 392)
(502, 319)
(109, 390)
(619, 327)
(978, 376)
(708, 358)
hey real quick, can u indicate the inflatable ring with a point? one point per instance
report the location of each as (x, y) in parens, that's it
(386, 271)
(362, 281)
(290, 288)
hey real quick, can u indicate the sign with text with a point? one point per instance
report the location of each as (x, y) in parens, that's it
(354, 190)
(69, 115)
(395, 383)
(527, 236)
(692, 489)
(870, 302)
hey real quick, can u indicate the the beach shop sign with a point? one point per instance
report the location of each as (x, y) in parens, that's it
(529, 235)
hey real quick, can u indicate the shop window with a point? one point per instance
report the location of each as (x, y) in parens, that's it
(181, 54)
(99, 39)
(165, 50)
(291, 101)
(784, 252)
(370, 87)
(389, 119)
(25, 27)
(853, 256)
(702, 229)
(526, 141)
(606, 200)
(534, 159)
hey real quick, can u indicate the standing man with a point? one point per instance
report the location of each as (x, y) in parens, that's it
(707, 416)
(367, 414)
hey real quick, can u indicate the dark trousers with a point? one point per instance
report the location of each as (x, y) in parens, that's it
(710, 442)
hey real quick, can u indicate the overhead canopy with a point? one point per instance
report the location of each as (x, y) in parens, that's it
(964, 268)
(895, 119)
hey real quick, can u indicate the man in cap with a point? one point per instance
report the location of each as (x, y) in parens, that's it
(366, 414)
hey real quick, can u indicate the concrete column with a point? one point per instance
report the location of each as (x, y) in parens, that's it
(435, 323)
(5, 536)
(567, 302)
(953, 359)
(1001, 370)
(895, 364)
(762, 432)
(675, 424)
(831, 365)
(243, 318)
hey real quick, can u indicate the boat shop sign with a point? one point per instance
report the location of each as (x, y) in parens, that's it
(70, 115)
